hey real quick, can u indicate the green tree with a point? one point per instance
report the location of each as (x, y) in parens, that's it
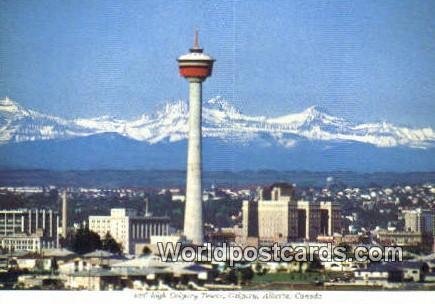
(247, 274)
(315, 264)
(146, 251)
(109, 244)
(54, 265)
(39, 265)
(84, 241)
(259, 269)
(232, 277)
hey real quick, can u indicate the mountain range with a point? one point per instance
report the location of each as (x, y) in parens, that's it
(310, 140)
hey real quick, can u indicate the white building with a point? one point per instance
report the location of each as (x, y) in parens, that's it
(418, 220)
(178, 198)
(128, 228)
(379, 275)
(22, 242)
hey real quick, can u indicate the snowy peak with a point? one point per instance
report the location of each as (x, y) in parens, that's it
(18, 124)
(221, 105)
(311, 118)
(174, 110)
(221, 120)
(316, 113)
(10, 107)
(7, 104)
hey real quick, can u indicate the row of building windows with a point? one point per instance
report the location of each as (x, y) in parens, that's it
(24, 248)
(19, 242)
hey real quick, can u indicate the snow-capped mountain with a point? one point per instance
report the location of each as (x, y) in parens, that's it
(221, 120)
(18, 124)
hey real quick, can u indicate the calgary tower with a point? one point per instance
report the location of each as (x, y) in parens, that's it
(195, 67)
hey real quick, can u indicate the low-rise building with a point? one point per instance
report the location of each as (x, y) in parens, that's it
(414, 270)
(21, 242)
(379, 275)
(399, 238)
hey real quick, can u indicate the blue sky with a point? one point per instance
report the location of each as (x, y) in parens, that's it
(363, 60)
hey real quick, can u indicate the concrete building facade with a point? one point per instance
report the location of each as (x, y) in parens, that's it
(419, 220)
(276, 216)
(19, 227)
(128, 228)
(21, 242)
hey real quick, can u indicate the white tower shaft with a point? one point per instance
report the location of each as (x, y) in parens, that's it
(193, 227)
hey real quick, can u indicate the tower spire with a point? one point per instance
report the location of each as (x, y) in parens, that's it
(196, 40)
(196, 48)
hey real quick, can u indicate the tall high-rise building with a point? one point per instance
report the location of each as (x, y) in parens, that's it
(277, 214)
(418, 220)
(195, 66)
(330, 218)
(309, 220)
(278, 217)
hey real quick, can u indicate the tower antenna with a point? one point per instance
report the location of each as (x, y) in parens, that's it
(196, 48)
(196, 40)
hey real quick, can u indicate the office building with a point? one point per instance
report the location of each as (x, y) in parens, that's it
(34, 227)
(276, 216)
(128, 228)
(418, 220)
